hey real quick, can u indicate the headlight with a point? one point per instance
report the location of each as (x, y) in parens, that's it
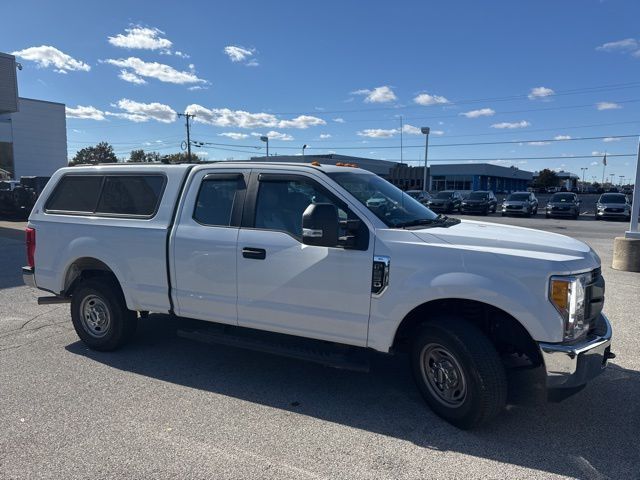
(567, 294)
(465, 203)
(600, 207)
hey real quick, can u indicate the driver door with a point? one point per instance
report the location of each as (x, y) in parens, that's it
(288, 287)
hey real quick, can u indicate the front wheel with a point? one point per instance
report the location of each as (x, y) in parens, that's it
(458, 372)
(100, 315)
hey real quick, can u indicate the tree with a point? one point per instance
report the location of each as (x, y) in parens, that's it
(180, 157)
(101, 153)
(547, 178)
(137, 156)
(140, 156)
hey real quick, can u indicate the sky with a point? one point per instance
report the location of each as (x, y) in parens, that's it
(341, 77)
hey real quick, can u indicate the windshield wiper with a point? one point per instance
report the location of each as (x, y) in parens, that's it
(415, 223)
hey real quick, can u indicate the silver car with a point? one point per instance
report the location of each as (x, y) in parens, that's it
(613, 205)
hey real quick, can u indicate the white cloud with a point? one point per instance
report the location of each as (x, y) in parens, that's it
(538, 144)
(156, 70)
(411, 130)
(426, 99)
(48, 56)
(239, 54)
(324, 136)
(593, 164)
(607, 106)
(274, 135)
(233, 135)
(562, 137)
(540, 92)
(143, 112)
(302, 121)
(143, 38)
(224, 117)
(382, 94)
(131, 77)
(377, 133)
(338, 120)
(597, 153)
(628, 44)
(437, 132)
(510, 125)
(610, 139)
(85, 112)
(483, 112)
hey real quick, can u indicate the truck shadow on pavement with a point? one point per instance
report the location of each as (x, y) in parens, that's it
(594, 434)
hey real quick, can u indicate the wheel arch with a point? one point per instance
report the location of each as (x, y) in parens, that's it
(506, 333)
(87, 267)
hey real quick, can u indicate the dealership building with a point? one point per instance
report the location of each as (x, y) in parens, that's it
(453, 176)
(33, 133)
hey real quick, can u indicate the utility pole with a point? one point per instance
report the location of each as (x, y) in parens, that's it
(188, 116)
(425, 131)
(583, 170)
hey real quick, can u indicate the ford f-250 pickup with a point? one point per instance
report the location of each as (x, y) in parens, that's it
(300, 251)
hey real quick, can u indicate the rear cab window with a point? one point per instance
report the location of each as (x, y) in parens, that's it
(119, 195)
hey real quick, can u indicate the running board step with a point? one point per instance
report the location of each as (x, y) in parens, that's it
(324, 353)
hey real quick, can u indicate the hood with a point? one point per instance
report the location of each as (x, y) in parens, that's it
(514, 202)
(562, 204)
(476, 200)
(509, 240)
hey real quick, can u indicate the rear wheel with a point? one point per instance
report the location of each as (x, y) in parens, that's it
(458, 372)
(100, 315)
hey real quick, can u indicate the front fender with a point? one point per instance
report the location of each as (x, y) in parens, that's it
(424, 273)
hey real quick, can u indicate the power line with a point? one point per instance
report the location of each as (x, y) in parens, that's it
(508, 142)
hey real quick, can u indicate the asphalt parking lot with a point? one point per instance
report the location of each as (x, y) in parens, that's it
(164, 407)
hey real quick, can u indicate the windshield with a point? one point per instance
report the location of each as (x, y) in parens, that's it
(444, 195)
(562, 197)
(608, 198)
(518, 197)
(478, 195)
(387, 202)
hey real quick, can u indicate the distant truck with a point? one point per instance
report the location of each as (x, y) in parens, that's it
(322, 263)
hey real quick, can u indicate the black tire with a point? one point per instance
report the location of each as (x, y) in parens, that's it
(483, 376)
(597, 218)
(106, 323)
(504, 214)
(546, 215)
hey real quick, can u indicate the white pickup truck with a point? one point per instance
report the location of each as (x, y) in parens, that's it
(325, 263)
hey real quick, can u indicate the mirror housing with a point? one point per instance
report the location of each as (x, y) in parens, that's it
(320, 225)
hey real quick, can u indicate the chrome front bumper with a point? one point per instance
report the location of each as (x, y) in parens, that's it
(572, 365)
(28, 277)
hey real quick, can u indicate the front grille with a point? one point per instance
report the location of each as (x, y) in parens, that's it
(514, 207)
(614, 210)
(594, 298)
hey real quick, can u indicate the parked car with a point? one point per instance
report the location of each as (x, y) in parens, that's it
(520, 203)
(446, 201)
(294, 259)
(613, 205)
(15, 199)
(481, 202)
(420, 195)
(563, 205)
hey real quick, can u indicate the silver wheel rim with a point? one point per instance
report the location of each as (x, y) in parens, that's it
(443, 375)
(95, 316)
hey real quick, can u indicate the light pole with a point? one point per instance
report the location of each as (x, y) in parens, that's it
(612, 175)
(425, 130)
(303, 147)
(621, 178)
(265, 139)
(584, 169)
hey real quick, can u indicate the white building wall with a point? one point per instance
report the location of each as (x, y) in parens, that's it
(39, 131)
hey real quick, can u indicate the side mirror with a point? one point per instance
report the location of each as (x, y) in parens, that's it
(320, 225)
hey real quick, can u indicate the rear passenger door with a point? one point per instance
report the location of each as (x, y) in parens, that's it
(204, 242)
